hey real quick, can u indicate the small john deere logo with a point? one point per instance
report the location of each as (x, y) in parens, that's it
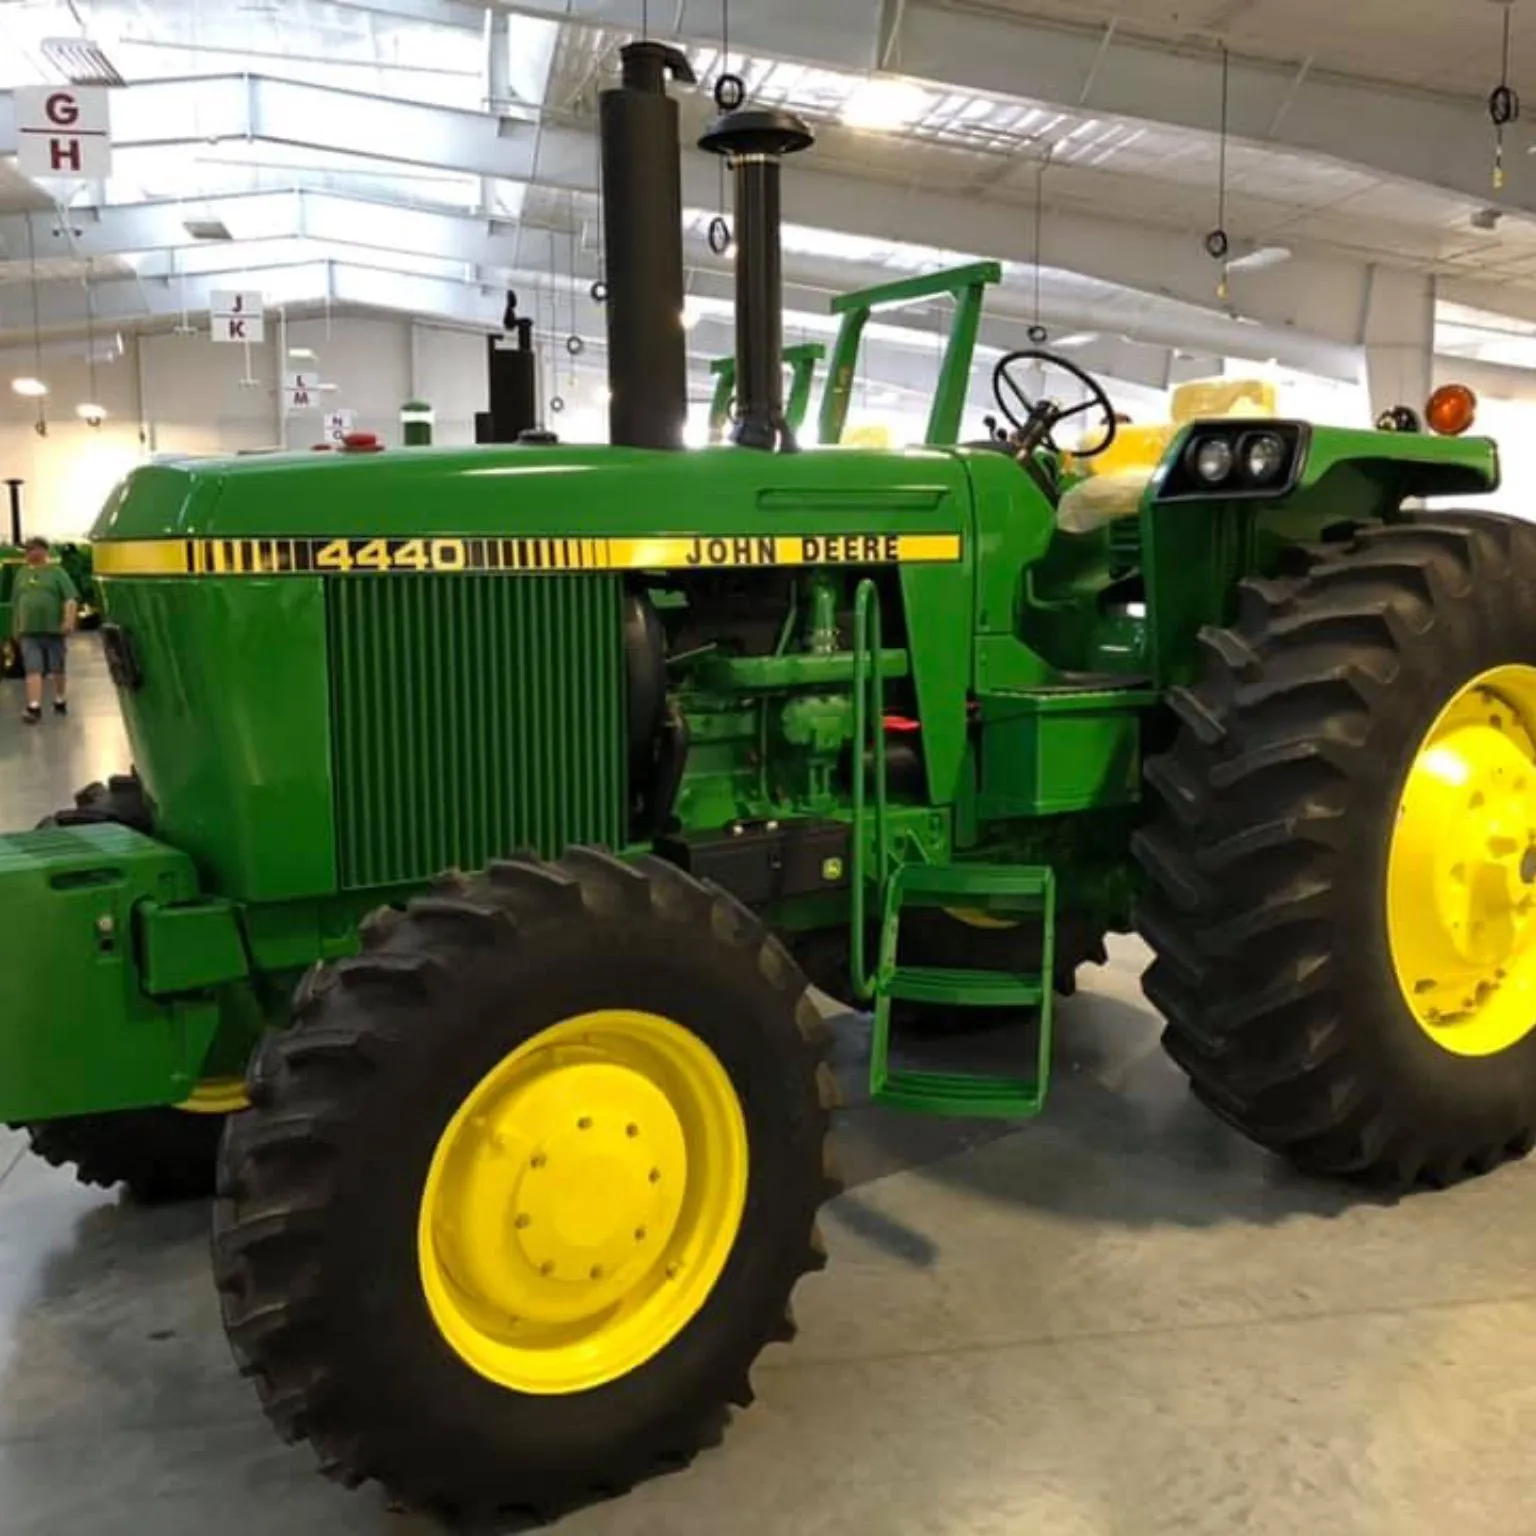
(831, 869)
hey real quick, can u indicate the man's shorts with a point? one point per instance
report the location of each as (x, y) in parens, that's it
(42, 654)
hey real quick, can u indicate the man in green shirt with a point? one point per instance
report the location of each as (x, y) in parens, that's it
(45, 606)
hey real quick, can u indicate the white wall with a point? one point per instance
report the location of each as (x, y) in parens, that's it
(184, 394)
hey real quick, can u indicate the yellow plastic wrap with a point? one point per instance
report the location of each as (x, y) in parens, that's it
(871, 435)
(1101, 499)
(1204, 399)
(1134, 448)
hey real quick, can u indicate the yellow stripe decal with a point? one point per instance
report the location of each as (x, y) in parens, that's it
(371, 556)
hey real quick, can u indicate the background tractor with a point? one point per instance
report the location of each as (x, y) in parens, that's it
(10, 653)
(485, 798)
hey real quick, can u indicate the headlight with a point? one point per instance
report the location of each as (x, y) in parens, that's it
(1212, 460)
(1226, 460)
(1264, 456)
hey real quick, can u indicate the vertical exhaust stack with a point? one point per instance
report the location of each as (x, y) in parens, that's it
(643, 214)
(755, 140)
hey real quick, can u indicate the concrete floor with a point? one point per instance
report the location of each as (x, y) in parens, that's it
(1120, 1321)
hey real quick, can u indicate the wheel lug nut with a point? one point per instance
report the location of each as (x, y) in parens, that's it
(537, 1160)
(655, 1175)
(585, 1123)
(522, 1220)
(597, 1271)
(639, 1234)
(547, 1267)
(631, 1130)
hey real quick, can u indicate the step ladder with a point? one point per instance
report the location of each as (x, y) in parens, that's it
(1023, 890)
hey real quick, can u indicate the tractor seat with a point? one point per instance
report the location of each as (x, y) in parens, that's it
(1115, 482)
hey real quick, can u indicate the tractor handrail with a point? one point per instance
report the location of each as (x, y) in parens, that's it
(868, 686)
(926, 285)
(968, 285)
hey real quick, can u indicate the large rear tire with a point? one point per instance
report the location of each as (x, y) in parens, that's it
(398, 1273)
(1308, 906)
(159, 1155)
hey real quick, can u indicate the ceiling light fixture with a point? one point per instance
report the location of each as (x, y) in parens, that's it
(885, 105)
(29, 388)
(80, 61)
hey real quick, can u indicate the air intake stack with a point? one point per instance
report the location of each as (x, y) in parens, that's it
(643, 215)
(755, 141)
(512, 370)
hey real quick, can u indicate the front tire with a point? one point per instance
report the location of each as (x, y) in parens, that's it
(397, 1274)
(1304, 1012)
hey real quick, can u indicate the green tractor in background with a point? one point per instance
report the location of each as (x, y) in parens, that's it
(10, 654)
(801, 361)
(485, 799)
(11, 555)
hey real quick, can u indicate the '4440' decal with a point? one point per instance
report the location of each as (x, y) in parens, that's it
(403, 556)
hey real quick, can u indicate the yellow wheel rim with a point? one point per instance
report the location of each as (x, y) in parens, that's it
(217, 1096)
(1461, 876)
(583, 1201)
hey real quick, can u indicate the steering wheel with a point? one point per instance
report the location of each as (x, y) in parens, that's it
(1037, 425)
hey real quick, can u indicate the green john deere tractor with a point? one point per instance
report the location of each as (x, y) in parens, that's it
(485, 799)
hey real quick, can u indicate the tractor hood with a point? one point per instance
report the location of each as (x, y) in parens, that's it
(515, 507)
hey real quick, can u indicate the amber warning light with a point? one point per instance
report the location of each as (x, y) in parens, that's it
(1452, 410)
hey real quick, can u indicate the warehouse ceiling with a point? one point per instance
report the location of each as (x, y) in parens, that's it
(1427, 44)
(422, 156)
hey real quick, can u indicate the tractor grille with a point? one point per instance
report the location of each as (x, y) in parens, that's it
(473, 716)
(1125, 543)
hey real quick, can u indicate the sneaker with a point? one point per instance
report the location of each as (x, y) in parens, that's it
(31, 714)
(60, 707)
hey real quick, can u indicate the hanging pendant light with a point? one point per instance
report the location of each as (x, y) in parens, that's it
(88, 410)
(32, 387)
(1503, 102)
(1037, 333)
(1218, 243)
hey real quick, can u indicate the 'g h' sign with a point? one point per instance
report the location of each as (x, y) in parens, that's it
(63, 130)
